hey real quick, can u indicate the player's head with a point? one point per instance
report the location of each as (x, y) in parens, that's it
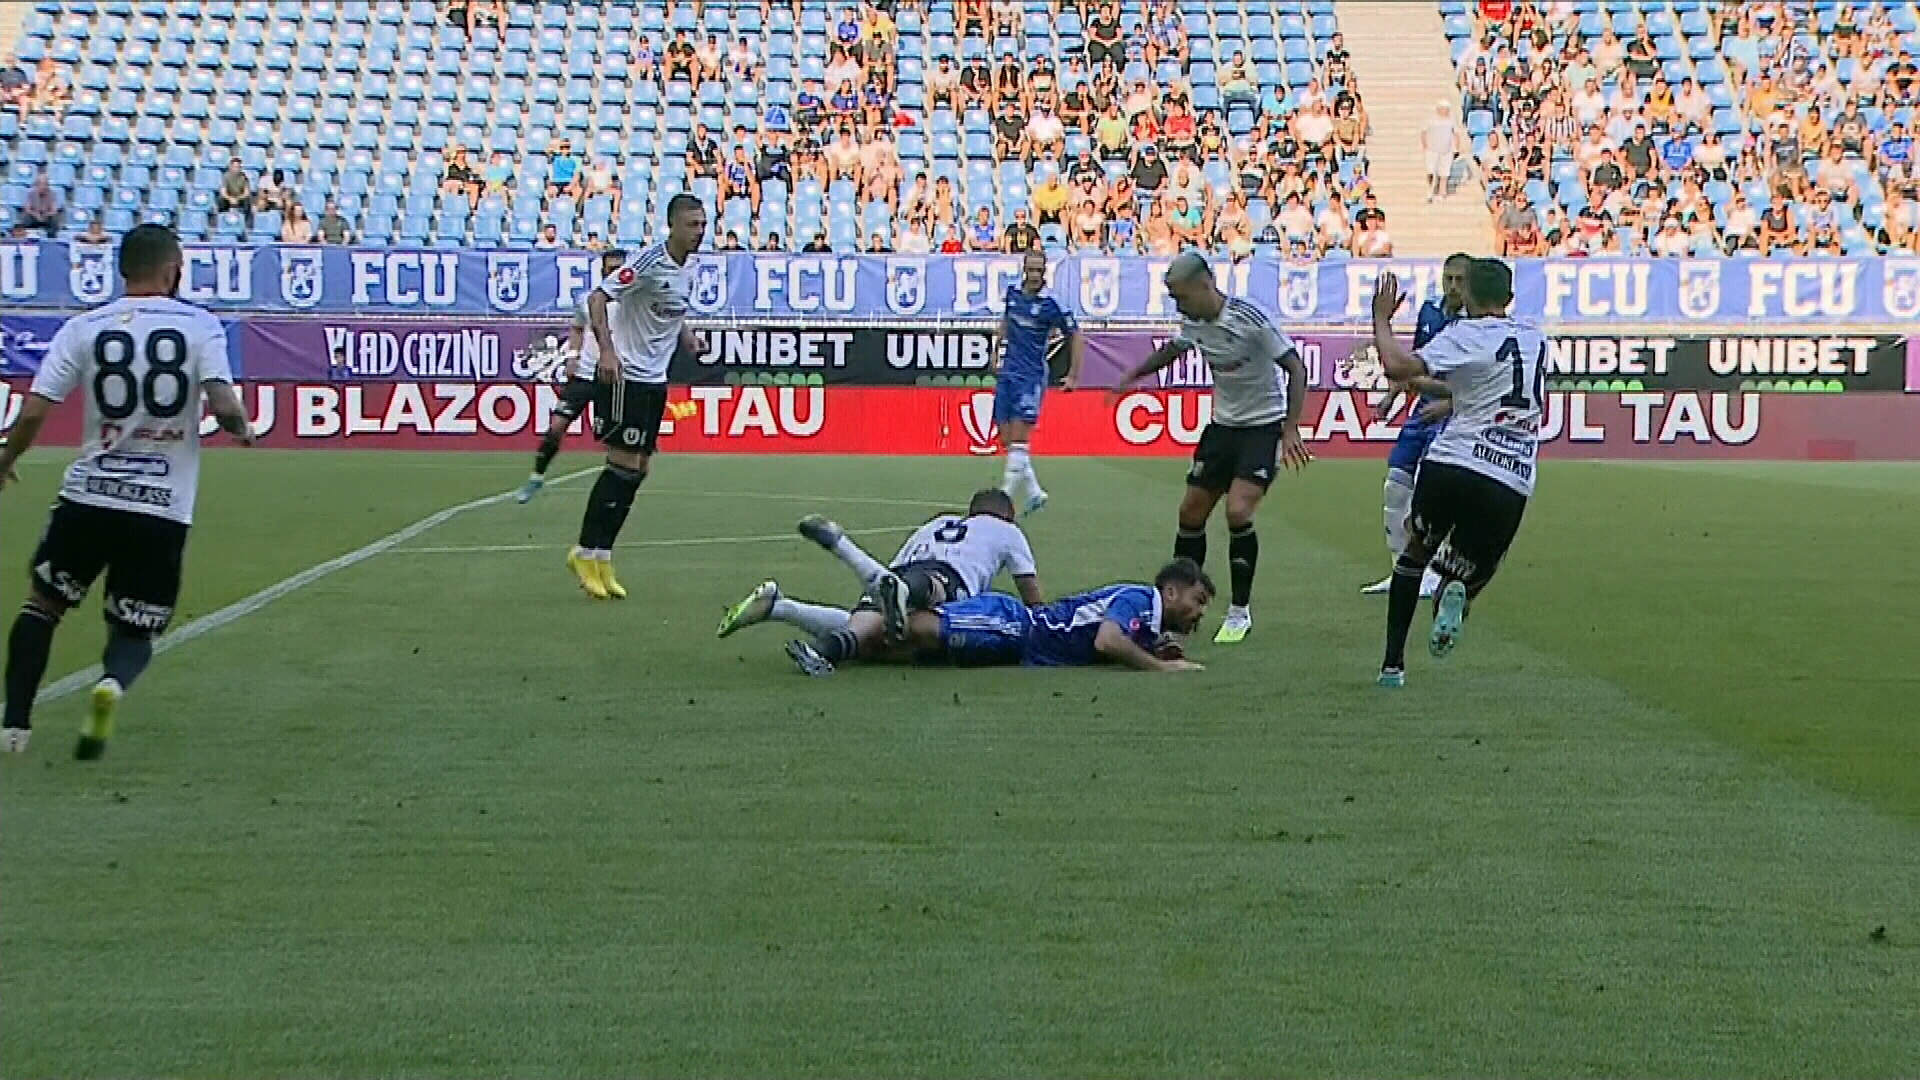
(1185, 592)
(686, 222)
(991, 502)
(1033, 271)
(1189, 281)
(1489, 287)
(611, 259)
(1453, 282)
(150, 260)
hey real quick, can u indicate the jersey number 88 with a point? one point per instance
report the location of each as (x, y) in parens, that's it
(161, 391)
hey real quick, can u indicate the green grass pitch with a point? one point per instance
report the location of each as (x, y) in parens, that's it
(439, 814)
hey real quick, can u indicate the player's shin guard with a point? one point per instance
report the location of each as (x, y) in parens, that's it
(126, 655)
(1191, 544)
(1403, 599)
(1243, 556)
(1396, 503)
(607, 507)
(549, 448)
(28, 646)
(839, 646)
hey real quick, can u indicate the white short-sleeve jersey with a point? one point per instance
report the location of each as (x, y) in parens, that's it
(1496, 369)
(977, 548)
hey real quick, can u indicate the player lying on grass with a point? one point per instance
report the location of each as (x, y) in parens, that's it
(1115, 624)
(1474, 483)
(949, 558)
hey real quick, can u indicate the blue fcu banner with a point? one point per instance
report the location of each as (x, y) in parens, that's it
(274, 279)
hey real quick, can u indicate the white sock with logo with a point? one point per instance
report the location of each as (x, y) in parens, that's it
(815, 619)
(1019, 479)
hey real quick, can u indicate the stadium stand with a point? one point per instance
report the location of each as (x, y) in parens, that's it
(1693, 127)
(1075, 124)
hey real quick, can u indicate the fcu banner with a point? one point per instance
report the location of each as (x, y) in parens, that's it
(1150, 423)
(391, 281)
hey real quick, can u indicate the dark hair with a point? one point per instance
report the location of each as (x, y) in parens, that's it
(1458, 257)
(147, 250)
(1183, 571)
(1490, 283)
(992, 501)
(614, 255)
(680, 204)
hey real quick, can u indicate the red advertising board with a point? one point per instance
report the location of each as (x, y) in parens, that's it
(938, 420)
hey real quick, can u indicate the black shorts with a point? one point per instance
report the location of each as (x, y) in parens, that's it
(140, 553)
(1474, 518)
(1226, 454)
(626, 415)
(929, 582)
(574, 396)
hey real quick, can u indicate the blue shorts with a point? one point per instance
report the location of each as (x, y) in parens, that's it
(1017, 398)
(1411, 446)
(990, 628)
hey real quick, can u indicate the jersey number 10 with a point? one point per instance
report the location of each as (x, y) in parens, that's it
(1509, 353)
(161, 390)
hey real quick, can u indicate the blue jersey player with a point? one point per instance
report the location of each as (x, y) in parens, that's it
(1120, 624)
(1425, 417)
(1030, 320)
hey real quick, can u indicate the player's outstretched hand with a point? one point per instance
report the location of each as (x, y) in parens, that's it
(1387, 296)
(1182, 665)
(1070, 384)
(1294, 453)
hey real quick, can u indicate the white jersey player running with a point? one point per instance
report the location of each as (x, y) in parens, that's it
(950, 557)
(126, 503)
(578, 391)
(1474, 483)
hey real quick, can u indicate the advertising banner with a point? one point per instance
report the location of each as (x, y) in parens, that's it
(455, 415)
(359, 350)
(279, 279)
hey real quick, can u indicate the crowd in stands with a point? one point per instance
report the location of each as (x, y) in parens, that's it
(1693, 127)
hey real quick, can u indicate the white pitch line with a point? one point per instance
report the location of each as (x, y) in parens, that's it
(694, 541)
(240, 609)
(778, 496)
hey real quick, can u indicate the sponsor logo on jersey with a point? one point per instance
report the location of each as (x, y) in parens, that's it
(507, 285)
(1100, 286)
(90, 272)
(302, 285)
(1900, 290)
(976, 419)
(1699, 288)
(709, 292)
(906, 285)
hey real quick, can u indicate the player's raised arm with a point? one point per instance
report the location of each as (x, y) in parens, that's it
(1157, 359)
(1399, 361)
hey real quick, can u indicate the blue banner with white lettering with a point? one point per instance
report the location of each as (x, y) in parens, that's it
(361, 281)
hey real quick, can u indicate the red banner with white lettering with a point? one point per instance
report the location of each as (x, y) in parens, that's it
(941, 420)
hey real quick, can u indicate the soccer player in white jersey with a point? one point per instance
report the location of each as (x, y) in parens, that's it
(1259, 391)
(635, 340)
(1473, 485)
(950, 557)
(585, 350)
(142, 362)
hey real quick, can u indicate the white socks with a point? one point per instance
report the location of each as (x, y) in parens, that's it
(864, 566)
(1396, 506)
(1020, 480)
(593, 554)
(815, 619)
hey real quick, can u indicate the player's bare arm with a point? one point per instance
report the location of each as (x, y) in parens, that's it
(1076, 355)
(1399, 361)
(1156, 360)
(1293, 449)
(1113, 643)
(224, 403)
(691, 341)
(608, 369)
(1028, 586)
(20, 438)
(998, 340)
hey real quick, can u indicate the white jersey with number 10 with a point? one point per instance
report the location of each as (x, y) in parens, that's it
(977, 548)
(141, 361)
(1497, 370)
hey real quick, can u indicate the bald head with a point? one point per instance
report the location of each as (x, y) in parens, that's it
(1189, 281)
(1187, 267)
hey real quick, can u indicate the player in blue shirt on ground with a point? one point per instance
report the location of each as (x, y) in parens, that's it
(1027, 325)
(1424, 420)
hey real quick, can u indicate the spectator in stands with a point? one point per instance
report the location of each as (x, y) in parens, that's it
(1020, 235)
(817, 246)
(499, 174)
(563, 171)
(296, 227)
(459, 177)
(601, 182)
(549, 239)
(844, 102)
(880, 164)
(738, 179)
(730, 241)
(774, 161)
(681, 62)
(333, 227)
(647, 66)
(710, 60)
(879, 42)
(15, 87)
(943, 83)
(1478, 91)
(1440, 146)
(1332, 229)
(843, 68)
(51, 90)
(1349, 128)
(269, 196)
(1640, 153)
(235, 194)
(1295, 219)
(1157, 231)
(42, 209)
(1188, 221)
(943, 212)
(843, 157)
(773, 242)
(1372, 241)
(1104, 41)
(743, 67)
(981, 233)
(976, 83)
(915, 237)
(950, 242)
(1050, 198)
(703, 155)
(1900, 223)
(1009, 134)
(1045, 134)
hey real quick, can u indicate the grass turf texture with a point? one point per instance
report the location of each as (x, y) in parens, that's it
(439, 814)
